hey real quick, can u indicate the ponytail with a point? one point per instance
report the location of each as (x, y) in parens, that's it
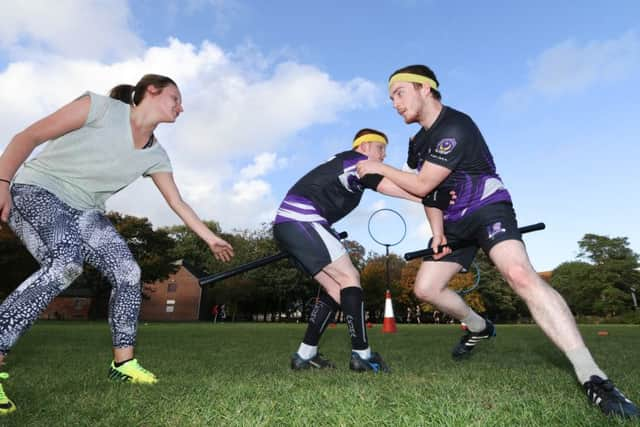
(123, 93)
(133, 95)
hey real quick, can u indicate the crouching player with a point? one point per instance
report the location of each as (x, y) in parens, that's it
(303, 228)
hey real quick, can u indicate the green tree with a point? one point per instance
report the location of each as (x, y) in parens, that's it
(603, 249)
(601, 286)
(578, 283)
(374, 283)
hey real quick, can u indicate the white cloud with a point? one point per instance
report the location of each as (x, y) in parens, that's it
(569, 68)
(74, 28)
(250, 191)
(231, 112)
(262, 164)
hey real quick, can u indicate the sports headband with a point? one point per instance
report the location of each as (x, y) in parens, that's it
(412, 78)
(369, 137)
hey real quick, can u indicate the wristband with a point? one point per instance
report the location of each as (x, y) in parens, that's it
(437, 199)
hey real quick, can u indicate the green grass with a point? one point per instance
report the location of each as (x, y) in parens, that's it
(238, 374)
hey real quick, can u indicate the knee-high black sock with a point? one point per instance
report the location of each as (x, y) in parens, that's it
(323, 312)
(353, 309)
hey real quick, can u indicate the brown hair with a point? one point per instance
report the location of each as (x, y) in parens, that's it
(421, 70)
(134, 95)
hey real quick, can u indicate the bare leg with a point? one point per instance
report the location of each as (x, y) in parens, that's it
(122, 353)
(546, 305)
(431, 286)
(338, 275)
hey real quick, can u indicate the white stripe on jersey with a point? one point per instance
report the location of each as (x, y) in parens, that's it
(491, 186)
(300, 217)
(333, 245)
(299, 205)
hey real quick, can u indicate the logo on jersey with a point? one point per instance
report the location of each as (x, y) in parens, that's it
(445, 146)
(495, 229)
(350, 181)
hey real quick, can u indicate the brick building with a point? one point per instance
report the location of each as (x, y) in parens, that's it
(73, 304)
(177, 298)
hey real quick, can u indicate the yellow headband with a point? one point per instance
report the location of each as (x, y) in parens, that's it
(412, 78)
(369, 137)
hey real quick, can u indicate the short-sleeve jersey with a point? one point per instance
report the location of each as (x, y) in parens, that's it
(455, 142)
(328, 192)
(86, 166)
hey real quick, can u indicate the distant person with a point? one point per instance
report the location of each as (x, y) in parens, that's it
(450, 153)
(436, 317)
(55, 204)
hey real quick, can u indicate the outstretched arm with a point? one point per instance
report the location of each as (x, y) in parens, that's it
(70, 117)
(167, 186)
(422, 184)
(387, 187)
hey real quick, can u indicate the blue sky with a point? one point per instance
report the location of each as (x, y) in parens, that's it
(273, 88)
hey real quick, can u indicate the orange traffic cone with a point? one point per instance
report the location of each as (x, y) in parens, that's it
(389, 325)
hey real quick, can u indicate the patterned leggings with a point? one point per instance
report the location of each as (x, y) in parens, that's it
(61, 239)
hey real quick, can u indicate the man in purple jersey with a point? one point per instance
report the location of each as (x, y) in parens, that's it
(449, 153)
(303, 229)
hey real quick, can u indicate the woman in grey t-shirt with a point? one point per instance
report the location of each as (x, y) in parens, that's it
(55, 204)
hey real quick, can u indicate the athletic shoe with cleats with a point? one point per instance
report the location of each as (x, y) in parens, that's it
(609, 399)
(470, 339)
(373, 363)
(131, 372)
(316, 362)
(6, 405)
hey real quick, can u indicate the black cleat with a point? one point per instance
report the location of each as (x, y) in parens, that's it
(468, 341)
(610, 400)
(317, 362)
(373, 363)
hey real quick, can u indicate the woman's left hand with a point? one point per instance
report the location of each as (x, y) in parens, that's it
(222, 250)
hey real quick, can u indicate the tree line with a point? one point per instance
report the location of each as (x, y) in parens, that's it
(599, 283)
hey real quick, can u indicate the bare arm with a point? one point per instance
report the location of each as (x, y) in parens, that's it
(436, 221)
(68, 118)
(429, 178)
(167, 186)
(388, 188)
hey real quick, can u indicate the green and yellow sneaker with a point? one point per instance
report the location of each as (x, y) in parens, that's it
(131, 372)
(6, 405)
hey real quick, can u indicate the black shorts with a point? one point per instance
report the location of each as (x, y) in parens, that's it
(312, 245)
(486, 227)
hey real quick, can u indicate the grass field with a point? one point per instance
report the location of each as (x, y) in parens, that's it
(238, 374)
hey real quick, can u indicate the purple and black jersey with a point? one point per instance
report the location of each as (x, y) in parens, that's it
(328, 192)
(455, 142)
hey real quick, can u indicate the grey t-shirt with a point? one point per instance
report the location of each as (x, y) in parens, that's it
(88, 165)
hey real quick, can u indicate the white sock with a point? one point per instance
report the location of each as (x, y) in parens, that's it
(584, 365)
(364, 354)
(474, 322)
(307, 351)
